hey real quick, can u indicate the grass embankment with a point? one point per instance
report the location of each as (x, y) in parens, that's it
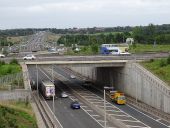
(16, 39)
(16, 115)
(53, 38)
(160, 67)
(11, 68)
(140, 48)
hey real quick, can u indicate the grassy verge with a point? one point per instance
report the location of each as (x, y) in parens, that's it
(11, 68)
(16, 115)
(139, 48)
(160, 68)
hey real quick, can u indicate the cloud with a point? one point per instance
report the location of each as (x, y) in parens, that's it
(38, 13)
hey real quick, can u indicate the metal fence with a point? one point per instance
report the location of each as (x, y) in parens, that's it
(13, 81)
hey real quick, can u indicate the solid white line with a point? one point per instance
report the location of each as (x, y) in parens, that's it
(112, 111)
(129, 120)
(89, 110)
(95, 115)
(147, 115)
(158, 119)
(131, 126)
(84, 106)
(101, 121)
(119, 115)
(90, 96)
(95, 102)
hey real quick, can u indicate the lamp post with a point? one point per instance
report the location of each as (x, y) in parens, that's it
(52, 75)
(106, 88)
(37, 81)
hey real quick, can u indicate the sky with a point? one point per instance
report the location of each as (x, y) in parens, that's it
(82, 13)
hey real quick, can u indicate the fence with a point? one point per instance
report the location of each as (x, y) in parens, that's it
(13, 81)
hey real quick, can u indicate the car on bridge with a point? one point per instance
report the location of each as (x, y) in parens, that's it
(2, 56)
(75, 105)
(29, 57)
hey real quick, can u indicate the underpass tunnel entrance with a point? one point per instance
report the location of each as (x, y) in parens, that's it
(110, 76)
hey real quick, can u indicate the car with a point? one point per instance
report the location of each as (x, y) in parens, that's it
(75, 105)
(87, 83)
(2, 56)
(73, 76)
(64, 95)
(29, 57)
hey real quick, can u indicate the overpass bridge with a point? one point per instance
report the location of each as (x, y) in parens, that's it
(99, 63)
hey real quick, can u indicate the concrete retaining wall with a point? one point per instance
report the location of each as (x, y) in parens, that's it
(141, 84)
(15, 95)
(134, 80)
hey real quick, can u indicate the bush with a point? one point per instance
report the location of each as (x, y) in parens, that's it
(14, 61)
(168, 60)
(151, 60)
(2, 63)
(162, 63)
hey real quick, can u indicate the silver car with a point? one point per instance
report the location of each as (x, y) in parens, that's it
(29, 57)
(64, 95)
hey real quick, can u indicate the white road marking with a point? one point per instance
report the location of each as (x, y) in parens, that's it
(84, 106)
(119, 115)
(131, 126)
(96, 102)
(101, 121)
(129, 120)
(158, 119)
(147, 115)
(89, 110)
(95, 115)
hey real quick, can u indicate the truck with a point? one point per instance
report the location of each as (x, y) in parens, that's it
(47, 89)
(117, 97)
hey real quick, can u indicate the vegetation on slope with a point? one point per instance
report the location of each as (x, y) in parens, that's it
(160, 67)
(11, 68)
(16, 115)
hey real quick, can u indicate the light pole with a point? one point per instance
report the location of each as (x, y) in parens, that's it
(52, 75)
(106, 88)
(37, 81)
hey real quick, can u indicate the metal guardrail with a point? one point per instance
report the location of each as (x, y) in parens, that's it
(48, 116)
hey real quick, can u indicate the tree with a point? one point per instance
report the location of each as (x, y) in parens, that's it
(94, 48)
(138, 34)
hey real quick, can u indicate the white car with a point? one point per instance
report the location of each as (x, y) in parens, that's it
(2, 55)
(64, 95)
(29, 57)
(72, 76)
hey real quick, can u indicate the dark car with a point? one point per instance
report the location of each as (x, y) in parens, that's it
(87, 83)
(75, 105)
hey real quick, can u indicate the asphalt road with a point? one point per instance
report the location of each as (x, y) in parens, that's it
(150, 120)
(68, 117)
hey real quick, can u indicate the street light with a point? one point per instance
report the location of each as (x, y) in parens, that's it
(106, 88)
(37, 81)
(52, 75)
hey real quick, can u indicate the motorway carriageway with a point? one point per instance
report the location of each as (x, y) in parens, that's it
(128, 114)
(68, 117)
(131, 111)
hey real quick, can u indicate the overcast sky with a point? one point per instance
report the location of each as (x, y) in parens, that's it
(82, 13)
